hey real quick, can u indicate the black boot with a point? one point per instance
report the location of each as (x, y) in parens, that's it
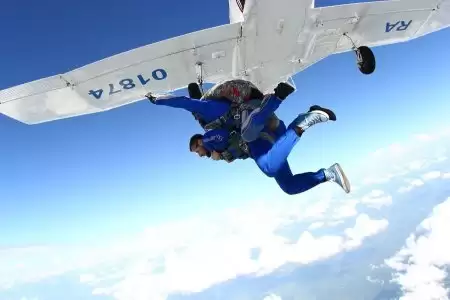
(283, 90)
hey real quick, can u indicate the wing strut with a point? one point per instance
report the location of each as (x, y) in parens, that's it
(199, 71)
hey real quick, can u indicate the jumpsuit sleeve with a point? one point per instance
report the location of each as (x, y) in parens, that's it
(192, 105)
(216, 140)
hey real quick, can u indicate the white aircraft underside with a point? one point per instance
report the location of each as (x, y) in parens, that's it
(267, 41)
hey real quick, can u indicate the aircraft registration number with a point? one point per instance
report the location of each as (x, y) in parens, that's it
(129, 83)
(398, 26)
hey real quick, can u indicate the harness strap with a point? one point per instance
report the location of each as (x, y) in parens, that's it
(235, 141)
(234, 112)
(222, 120)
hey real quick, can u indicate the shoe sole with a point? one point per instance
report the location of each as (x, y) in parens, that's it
(343, 178)
(329, 112)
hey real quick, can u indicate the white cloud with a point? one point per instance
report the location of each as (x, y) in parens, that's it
(374, 280)
(416, 182)
(435, 175)
(438, 134)
(320, 224)
(364, 227)
(399, 159)
(316, 225)
(334, 223)
(419, 264)
(35, 264)
(426, 137)
(377, 199)
(393, 149)
(441, 158)
(412, 184)
(191, 255)
(431, 175)
(226, 254)
(374, 267)
(317, 209)
(309, 248)
(272, 297)
(417, 165)
(87, 278)
(345, 210)
(377, 179)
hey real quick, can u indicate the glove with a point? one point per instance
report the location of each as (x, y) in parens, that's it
(283, 90)
(151, 97)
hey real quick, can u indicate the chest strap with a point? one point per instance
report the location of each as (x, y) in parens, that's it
(234, 113)
(236, 143)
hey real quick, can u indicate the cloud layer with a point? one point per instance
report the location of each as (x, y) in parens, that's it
(226, 254)
(420, 264)
(377, 199)
(190, 256)
(244, 241)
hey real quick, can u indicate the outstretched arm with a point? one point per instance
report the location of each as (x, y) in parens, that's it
(189, 104)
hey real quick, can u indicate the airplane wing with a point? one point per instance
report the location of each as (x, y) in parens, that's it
(266, 41)
(125, 78)
(292, 35)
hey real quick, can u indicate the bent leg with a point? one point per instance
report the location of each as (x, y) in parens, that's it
(279, 130)
(256, 120)
(299, 183)
(272, 160)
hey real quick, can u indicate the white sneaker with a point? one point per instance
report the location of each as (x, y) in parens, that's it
(315, 115)
(336, 174)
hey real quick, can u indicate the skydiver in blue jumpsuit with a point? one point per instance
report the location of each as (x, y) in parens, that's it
(271, 158)
(209, 111)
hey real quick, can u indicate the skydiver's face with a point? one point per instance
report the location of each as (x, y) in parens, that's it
(199, 149)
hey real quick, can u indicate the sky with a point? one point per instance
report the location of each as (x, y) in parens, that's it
(100, 178)
(387, 240)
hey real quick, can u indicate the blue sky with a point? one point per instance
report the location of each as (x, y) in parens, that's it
(98, 177)
(350, 244)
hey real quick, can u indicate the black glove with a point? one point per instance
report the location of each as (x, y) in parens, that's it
(283, 90)
(150, 97)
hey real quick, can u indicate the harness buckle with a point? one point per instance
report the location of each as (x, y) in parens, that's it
(243, 145)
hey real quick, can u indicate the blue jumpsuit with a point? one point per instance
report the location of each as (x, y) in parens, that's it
(211, 110)
(272, 158)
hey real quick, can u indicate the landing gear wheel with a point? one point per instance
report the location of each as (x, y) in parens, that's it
(365, 60)
(194, 91)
